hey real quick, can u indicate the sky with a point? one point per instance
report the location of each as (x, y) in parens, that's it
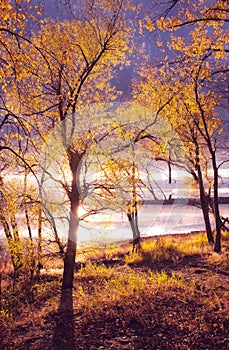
(54, 9)
(123, 80)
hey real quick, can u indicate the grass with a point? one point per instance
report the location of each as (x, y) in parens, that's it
(169, 248)
(173, 294)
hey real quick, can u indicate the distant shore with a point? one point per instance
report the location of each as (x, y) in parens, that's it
(186, 201)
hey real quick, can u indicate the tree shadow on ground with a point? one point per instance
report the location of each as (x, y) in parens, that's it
(64, 337)
(198, 263)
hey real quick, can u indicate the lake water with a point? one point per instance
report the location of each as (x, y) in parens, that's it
(156, 219)
(153, 220)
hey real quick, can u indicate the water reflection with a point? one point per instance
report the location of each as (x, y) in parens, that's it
(153, 220)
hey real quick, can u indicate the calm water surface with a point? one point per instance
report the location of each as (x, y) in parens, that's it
(153, 220)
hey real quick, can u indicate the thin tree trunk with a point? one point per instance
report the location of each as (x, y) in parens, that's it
(211, 149)
(132, 212)
(137, 237)
(26, 208)
(136, 233)
(17, 254)
(10, 240)
(28, 222)
(70, 255)
(32, 252)
(39, 243)
(14, 225)
(205, 208)
(203, 199)
(218, 222)
(170, 170)
(57, 239)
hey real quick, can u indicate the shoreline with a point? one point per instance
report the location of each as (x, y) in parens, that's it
(143, 239)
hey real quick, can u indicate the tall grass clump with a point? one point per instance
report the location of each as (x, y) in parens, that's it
(155, 251)
(169, 249)
(195, 244)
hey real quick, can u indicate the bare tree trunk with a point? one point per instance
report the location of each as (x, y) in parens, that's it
(218, 222)
(14, 256)
(12, 238)
(170, 170)
(39, 243)
(70, 255)
(26, 208)
(203, 198)
(132, 212)
(135, 230)
(212, 151)
(32, 252)
(74, 195)
(204, 206)
(28, 222)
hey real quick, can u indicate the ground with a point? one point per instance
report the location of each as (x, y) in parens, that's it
(125, 302)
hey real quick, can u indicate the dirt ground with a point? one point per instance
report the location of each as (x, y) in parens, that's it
(166, 320)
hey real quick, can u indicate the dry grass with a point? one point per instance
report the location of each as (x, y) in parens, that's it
(175, 290)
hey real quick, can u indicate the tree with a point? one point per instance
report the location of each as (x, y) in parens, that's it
(9, 224)
(59, 73)
(191, 113)
(117, 188)
(113, 168)
(200, 55)
(15, 18)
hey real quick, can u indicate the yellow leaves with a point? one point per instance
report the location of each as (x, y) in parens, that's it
(6, 16)
(149, 24)
(182, 111)
(160, 24)
(205, 34)
(219, 54)
(5, 11)
(214, 24)
(47, 83)
(178, 43)
(11, 16)
(140, 22)
(5, 5)
(8, 6)
(189, 15)
(3, 87)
